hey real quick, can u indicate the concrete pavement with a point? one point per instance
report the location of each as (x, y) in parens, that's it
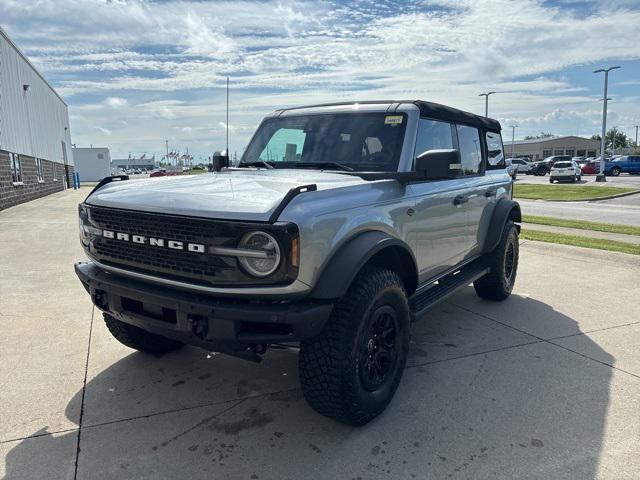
(543, 385)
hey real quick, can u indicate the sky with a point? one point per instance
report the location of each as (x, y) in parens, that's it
(138, 72)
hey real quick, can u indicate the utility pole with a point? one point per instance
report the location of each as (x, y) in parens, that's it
(486, 102)
(601, 177)
(513, 139)
(227, 146)
(637, 135)
(166, 142)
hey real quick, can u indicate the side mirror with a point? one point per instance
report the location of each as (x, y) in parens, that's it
(219, 161)
(439, 164)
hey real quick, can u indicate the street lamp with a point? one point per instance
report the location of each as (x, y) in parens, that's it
(513, 138)
(601, 177)
(486, 102)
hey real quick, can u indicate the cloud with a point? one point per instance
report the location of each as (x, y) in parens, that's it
(161, 66)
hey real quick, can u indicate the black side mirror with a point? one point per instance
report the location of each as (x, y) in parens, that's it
(439, 164)
(219, 161)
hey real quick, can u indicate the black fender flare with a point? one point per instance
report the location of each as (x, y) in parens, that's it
(504, 210)
(342, 268)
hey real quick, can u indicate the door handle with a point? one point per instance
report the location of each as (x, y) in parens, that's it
(490, 193)
(460, 199)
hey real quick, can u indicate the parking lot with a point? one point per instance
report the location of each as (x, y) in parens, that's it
(623, 180)
(544, 385)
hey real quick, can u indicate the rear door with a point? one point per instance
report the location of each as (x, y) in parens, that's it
(439, 229)
(481, 189)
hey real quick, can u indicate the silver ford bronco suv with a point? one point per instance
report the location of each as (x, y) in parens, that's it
(341, 224)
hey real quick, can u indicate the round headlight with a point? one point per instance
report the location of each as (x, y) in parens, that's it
(266, 259)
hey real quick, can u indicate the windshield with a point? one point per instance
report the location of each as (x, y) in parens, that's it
(351, 141)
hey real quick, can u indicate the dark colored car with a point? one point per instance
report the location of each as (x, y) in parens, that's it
(544, 166)
(626, 164)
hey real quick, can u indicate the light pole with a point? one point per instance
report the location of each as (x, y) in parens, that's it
(486, 102)
(637, 135)
(601, 177)
(513, 139)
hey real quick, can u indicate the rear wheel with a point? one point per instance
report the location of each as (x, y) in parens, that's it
(550, 179)
(503, 262)
(139, 339)
(351, 371)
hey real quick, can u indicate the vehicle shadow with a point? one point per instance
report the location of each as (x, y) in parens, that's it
(479, 399)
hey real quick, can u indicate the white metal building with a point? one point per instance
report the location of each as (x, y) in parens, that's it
(35, 141)
(92, 164)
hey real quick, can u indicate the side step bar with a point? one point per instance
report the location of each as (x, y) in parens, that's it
(445, 287)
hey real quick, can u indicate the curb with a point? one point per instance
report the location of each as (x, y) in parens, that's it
(617, 195)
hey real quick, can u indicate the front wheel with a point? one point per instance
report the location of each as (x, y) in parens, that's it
(550, 179)
(503, 262)
(351, 371)
(615, 171)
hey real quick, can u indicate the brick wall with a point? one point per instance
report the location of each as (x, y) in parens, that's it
(11, 195)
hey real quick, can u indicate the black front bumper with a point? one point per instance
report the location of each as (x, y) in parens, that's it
(215, 324)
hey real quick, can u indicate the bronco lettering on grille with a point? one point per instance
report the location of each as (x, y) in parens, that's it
(154, 242)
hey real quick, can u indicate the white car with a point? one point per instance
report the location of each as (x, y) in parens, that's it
(565, 171)
(522, 166)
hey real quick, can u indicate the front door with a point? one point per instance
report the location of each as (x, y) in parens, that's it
(439, 225)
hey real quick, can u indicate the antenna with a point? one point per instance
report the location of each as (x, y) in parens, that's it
(227, 116)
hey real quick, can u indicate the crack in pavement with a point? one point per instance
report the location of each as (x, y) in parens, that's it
(550, 342)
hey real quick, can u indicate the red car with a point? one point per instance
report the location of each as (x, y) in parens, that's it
(591, 168)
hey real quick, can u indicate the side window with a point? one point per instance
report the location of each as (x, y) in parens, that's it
(284, 145)
(16, 168)
(433, 135)
(495, 152)
(470, 149)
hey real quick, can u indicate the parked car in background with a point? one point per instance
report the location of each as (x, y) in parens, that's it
(624, 164)
(522, 166)
(590, 168)
(512, 169)
(565, 171)
(543, 167)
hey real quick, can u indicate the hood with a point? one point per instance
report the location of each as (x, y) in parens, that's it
(247, 195)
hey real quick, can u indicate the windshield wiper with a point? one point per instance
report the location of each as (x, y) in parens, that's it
(259, 163)
(323, 165)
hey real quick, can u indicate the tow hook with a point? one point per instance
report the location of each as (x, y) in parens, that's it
(100, 299)
(199, 326)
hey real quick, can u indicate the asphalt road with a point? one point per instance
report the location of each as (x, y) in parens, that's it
(543, 385)
(624, 211)
(624, 180)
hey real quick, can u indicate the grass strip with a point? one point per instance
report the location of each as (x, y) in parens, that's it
(566, 192)
(577, 241)
(582, 225)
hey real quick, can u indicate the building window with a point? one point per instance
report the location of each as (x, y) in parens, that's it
(39, 170)
(546, 153)
(581, 153)
(16, 168)
(558, 151)
(570, 151)
(592, 153)
(101, 156)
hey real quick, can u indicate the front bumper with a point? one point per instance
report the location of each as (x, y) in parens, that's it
(223, 325)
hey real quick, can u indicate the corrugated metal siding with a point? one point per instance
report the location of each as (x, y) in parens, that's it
(31, 122)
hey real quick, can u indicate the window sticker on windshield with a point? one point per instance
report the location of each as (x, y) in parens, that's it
(393, 120)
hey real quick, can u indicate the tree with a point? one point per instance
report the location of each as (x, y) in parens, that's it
(614, 139)
(540, 136)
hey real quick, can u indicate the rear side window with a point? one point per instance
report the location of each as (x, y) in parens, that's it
(433, 135)
(495, 152)
(470, 149)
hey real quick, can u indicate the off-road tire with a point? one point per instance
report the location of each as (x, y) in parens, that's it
(139, 339)
(332, 366)
(498, 283)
